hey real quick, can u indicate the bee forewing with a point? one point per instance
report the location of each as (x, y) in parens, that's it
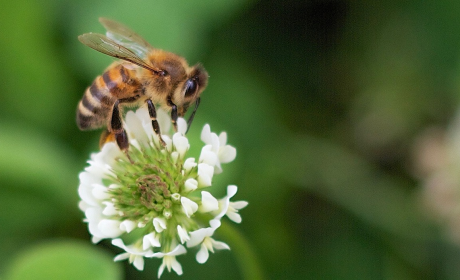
(109, 47)
(124, 36)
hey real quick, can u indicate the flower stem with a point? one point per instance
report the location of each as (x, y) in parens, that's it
(247, 260)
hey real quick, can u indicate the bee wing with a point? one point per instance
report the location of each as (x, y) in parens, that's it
(109, 47)
(126, 37)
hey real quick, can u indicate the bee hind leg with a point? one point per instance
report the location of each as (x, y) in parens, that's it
(153, 117)
(117, 128)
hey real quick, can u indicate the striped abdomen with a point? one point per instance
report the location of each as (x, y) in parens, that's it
(95, 107)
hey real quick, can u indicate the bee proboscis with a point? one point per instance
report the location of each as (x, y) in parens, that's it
(143, 75)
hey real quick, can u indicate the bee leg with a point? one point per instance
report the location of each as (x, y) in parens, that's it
(190, 119)
(173, 113)
(153, 117)
(117, 128)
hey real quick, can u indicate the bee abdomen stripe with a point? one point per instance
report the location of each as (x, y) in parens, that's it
(89, 102)
(111, 85)
(84, 111)
(124, 75)
(100, 94)
(84, 122)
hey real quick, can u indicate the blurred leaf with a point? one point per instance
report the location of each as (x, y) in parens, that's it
(39, 182)
(34, 83)
(38, 164)
(63, 260)
(249, 264)
(352, 182)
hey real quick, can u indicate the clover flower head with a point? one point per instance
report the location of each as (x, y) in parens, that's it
(154, 197)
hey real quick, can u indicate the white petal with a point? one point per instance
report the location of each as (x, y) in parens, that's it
(223, 138)
(100, 192)
(159, 224)
(95, 240)
(234, 217)
(239, 204)
(139, 263)
(164, 120)
(205, 173)
(197, 236)
(208, 202)
(181, 126)
(215, 224)
(188, 206)
(135, 128)
(208, 156)
(231, 191)
(183, 235)
(189, 164)
(110, 228)
(178, 250)
(190, 185)
(94, 216)
(219, 245)
(161, 269)
(202, 255)
(206, 134)
(122, 256)
(147, 125)
(176, 266)
(127, 225)
(119, 243)
(226, 154)
(83, 206)
(142, 114)
(174, 156)
(87, 181)
(181, 144)
(150, 240)
(215, 143)
(168, 142)
(108, 154)
(109, 209)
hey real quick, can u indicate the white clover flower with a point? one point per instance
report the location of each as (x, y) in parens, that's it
(154, 196)
(231, 208)
(203, 236)
(134, 253)
(169, 260)
(216, 150)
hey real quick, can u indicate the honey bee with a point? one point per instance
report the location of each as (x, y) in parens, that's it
(143, 75)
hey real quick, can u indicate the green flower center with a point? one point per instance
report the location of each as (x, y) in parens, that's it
(148, 184)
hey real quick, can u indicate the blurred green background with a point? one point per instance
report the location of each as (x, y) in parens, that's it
(322, 99)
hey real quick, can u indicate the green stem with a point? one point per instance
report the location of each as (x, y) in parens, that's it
(246, 258)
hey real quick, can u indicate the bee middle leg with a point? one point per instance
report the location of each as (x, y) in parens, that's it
(153, 117)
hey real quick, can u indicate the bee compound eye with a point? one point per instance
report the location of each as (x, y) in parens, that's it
(190, 87)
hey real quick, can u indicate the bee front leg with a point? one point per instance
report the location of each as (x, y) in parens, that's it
(173, 113)
(116, 126)
(190, 119)
(153, 117)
